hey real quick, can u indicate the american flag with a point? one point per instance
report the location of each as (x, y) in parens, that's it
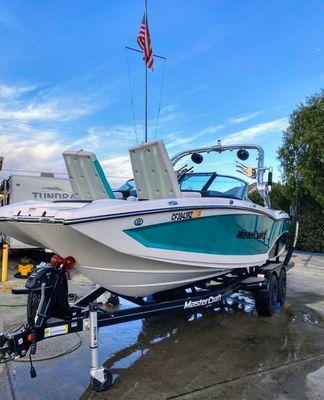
(144, 42)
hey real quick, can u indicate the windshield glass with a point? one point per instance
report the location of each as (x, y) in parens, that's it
(129, 185)
(194, 182)
(213, 185)
(226, 186)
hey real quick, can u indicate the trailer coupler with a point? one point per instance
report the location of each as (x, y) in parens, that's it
(16, 343)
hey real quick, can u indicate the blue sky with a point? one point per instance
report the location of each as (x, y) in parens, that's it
(234, 71)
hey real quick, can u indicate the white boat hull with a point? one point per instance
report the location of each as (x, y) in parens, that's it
(118, 272)
(110, 251)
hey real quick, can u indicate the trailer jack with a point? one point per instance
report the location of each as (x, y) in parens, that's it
(101, 378)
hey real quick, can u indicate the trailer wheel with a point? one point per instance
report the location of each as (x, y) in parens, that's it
(33, 300)
(282, 287)
(98, 386)
(266, 300)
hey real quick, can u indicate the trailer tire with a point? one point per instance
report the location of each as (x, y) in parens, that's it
(282, 286)
(266, 300)
(33, 300)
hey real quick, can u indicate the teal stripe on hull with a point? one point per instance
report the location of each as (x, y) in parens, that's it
(221, 234)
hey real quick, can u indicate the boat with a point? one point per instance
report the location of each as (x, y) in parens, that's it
(182, 228)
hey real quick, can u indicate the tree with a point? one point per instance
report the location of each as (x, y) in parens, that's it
(302, 160)
(302, 153)
(279, 197)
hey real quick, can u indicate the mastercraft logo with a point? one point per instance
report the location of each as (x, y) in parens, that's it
(243, 234)
(203, 302)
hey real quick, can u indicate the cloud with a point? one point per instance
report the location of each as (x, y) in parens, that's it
(194, 50)
(31, 151)
(68, 101)
(244, 117)
(33, 147)
(111, 139)
(258, 130)
(10, 92)
(180, 141)
(167, 109)
(24, 106)
(42, 107)
(35, 151)
(118, 170)
(30, 146)
(177, 140)
(52, 110)
(201, 87)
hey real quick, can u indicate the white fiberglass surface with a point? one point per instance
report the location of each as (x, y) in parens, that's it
(75, 210)
(111, 207)
(31, 208)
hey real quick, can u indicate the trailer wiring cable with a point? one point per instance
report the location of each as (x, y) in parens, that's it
(64, 353)
(308, 358)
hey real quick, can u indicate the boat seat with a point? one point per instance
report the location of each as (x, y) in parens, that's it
(153, 172)
(118, 195)
(86, 176)
(189, 193)
(132, 198)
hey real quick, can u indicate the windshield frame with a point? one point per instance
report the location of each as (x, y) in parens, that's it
(213, 176)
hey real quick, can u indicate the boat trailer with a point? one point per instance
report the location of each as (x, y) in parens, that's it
(49, 313)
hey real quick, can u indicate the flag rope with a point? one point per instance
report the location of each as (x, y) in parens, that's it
(131, 95)
(160, 100)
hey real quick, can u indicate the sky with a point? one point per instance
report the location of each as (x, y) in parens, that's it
(235, 70)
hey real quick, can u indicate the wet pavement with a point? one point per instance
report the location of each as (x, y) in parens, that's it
(211, 354)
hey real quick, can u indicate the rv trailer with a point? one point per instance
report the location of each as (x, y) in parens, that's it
(43, 187)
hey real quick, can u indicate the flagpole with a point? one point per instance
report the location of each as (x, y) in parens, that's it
(145, 112)
(144, 42)
(145, 104)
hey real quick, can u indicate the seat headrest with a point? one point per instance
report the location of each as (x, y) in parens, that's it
(191, 194)
(153, 172)
(132, 198)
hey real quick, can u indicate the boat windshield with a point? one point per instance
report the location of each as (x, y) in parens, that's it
(213, 185)
(128, 185)
(208, 184)
(194, 182)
